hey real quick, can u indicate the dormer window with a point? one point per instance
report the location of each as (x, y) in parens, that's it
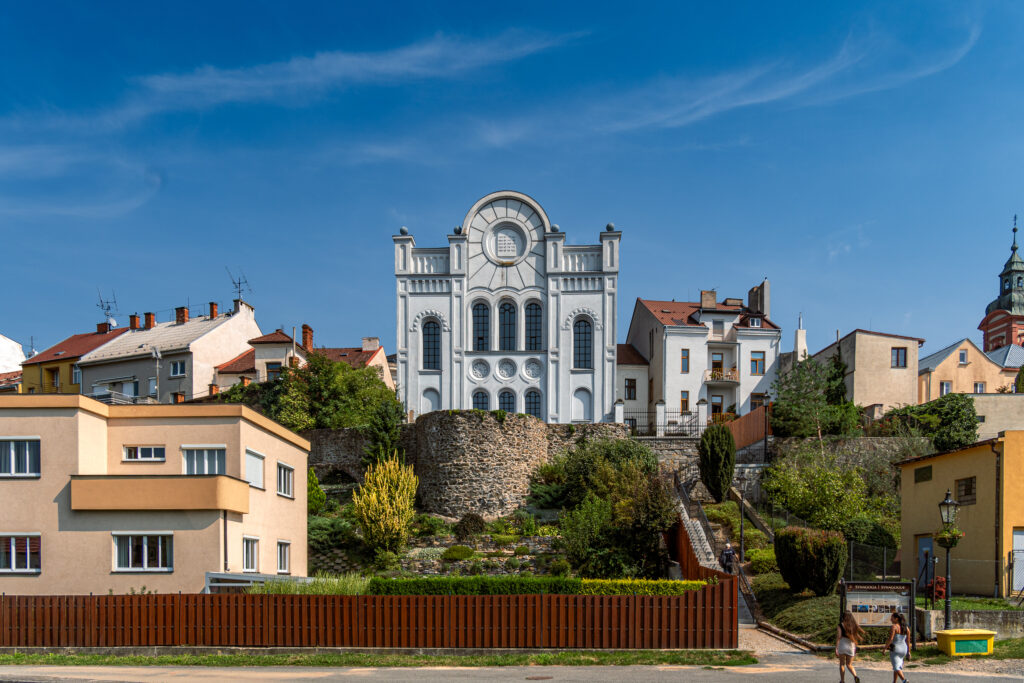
(755, 322)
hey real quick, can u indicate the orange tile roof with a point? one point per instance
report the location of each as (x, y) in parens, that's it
(626, 354)
(681, 313)
(10, 378)
(354, 356)
(276, 337)
(75, 346)
(240, 364)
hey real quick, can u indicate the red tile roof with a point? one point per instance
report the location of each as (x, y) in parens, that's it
(354, 356)
(626, 354)
(240, 364)
(275, 337)
(681, 313)
(10, 378)
(75, 346)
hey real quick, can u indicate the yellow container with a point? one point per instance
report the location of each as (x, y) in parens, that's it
(959, 642)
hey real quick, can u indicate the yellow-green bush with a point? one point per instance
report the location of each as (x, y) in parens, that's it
(637, 587)
(384, 504)
(762, 560)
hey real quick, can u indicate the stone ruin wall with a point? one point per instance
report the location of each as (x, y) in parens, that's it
(467, 461)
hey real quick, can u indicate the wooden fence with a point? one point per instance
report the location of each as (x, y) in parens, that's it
(750, 428)
(703, 618)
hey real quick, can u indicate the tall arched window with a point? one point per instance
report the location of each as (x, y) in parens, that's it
(481, 327)
(481, 401)
(507, 326)
(583, 345)
(534, 327)
(1020, 281)
(431, 345)
(507, 401)
(533, 403)
(582, 406)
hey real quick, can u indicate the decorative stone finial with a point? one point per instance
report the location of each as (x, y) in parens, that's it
(610, 227)
(403, 230)
(458, 229)
(1013, 249)
(554, 227)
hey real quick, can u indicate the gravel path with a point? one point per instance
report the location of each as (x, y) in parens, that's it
(762, 642)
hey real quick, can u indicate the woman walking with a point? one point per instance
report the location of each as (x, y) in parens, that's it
(897, 645)
(848, 634)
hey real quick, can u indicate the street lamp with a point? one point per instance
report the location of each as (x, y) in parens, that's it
(741, 479)
(947, 539)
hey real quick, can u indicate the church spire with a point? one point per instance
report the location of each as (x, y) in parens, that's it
(1013, 249)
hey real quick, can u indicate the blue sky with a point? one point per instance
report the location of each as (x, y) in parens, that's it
(867, 159)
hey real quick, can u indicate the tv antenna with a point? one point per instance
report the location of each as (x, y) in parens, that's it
(108, 306)
(239, 284)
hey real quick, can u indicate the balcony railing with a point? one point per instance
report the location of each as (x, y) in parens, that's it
(722, 375)
(116, 398)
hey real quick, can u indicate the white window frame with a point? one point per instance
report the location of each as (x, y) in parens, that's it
(152, 386)
(144, 569)
(12, 465)
(963, 356)
(255, 455)
(283, 467)
(287, 547)
(945, 388)
(247, 543)
(14, 569)
(206, 458)
(76, 375)
(174, 368)
(143, 458)
(979, 384)
(755, 322)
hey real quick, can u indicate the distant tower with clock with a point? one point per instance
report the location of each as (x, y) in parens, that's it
(1003, 323)
(508, 316)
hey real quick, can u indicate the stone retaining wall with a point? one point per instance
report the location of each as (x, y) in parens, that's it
(1006, 623)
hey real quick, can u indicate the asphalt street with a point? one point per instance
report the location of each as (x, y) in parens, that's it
(791, 668)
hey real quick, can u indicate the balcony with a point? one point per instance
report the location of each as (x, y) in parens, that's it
(722, 376)
(159, 492)
(116, 398)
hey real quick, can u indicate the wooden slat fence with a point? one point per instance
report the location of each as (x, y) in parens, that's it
(750, 428)
(703, 618)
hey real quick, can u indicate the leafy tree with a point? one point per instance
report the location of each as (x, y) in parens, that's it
(384, 504)
(951, 422)
(802, 407)
(835, 392)
(816, 489)
(717, 460)
(385, 432)
(316, 499)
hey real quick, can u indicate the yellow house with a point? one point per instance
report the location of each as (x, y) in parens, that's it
(987, 479)
(100, 498)
(53, 371)
(960, 368)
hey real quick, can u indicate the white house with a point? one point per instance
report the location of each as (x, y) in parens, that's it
(11, 355)
(705, 357)
(508, 316)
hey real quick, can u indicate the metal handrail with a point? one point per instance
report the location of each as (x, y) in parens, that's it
(723, 375)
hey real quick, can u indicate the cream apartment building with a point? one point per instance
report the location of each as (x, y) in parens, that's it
(101, 498)
(881, 368)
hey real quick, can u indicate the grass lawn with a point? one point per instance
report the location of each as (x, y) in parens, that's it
(566, 658)
(804, 614)
(969, 603)
(929, 655)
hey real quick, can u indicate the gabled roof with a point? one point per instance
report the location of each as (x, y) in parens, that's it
(879, 334)
(932, 361)
(354, 356)
(10, 379)
(626, 354)
(75, 346)
(1011, 356)
(241, 364)
(168, 337)
(684, 313)
(276, 337)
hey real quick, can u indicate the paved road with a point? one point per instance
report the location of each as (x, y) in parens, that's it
(790, 668)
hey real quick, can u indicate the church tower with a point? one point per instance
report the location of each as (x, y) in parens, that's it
(1003, 323)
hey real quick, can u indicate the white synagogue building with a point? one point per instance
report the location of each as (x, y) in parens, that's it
(508, 316)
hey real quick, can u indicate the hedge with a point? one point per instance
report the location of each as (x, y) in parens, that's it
(810, 558)
(526, 585)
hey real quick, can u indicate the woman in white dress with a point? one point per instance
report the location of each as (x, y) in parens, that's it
(848, 634)
(897, 645)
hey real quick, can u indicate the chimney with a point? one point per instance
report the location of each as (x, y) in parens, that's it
(371, 343)
(214, 389)
(133, 321)
(213, 309)
(181, 315)
(150, 320)
(759, 299)
(800, 344)
(102, 328)
(708, 298)
(307, 337)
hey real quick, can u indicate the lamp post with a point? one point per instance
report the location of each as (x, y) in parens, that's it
(741, 479)
(948, 539)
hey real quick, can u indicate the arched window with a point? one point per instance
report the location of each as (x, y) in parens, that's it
(481, 401)
(481, 327)
(533, 403)
(582, 407)
(507, 401)
(534, 327)
(431, 401)
(507, 326)
(583, 345)
(1020, 281)
(431, 345)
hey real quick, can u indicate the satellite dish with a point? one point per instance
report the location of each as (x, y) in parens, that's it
(112, 322)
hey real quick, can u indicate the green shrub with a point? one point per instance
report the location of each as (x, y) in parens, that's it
(503, 540)
(424, 525)
(386, 560)
(522, 550)
(526, 523)
(753, 538)
(638, 587)
(810, 558)
(384, 430)
(476, 568)
(717, 460)
(316, 499)
(325, 533)
(870, 531)
(762, 560)
(502, 525)
(456, 553)
(547, 530)
(321, 584)
(560, 568)
(384, 504)
(470, 525)
(951, 422)
(592, 465)
(512, 563)
(525, 585)
(816, 489)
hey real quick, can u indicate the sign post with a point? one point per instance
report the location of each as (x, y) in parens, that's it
(873, 603)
